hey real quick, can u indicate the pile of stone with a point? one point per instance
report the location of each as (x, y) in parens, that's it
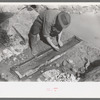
(56, 76)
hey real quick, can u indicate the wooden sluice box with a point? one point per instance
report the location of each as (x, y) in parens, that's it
(30, 67)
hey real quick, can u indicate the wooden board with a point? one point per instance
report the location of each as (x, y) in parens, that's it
(33, 65)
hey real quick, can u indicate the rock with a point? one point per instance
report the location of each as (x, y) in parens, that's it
(71, 61)
(14, 8)
(73, 78)
(57, 64)
(22, 21)
(7, 53)
(64, 63)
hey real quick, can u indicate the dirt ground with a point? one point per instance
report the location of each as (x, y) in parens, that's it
(86, 26)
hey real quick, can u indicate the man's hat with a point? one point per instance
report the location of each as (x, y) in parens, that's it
(64, 19)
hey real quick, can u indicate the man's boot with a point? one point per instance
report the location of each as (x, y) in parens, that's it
(33, 39)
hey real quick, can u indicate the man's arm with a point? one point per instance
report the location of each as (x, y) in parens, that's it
(51, 44)
(59, 39)
(46, 33)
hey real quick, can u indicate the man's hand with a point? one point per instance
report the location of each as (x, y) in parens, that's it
(56, 48)
(59, 39)
(60, 43)
(52, 45)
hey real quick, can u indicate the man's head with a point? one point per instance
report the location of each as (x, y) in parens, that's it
(63, 20)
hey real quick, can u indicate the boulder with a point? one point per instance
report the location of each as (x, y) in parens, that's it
(17, 23)
(22, 22)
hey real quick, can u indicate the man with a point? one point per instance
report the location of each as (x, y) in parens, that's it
(49, 23)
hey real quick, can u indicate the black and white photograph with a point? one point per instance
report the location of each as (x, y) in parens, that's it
(50, 42)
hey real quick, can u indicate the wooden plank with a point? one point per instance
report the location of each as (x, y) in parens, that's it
(33, 65)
